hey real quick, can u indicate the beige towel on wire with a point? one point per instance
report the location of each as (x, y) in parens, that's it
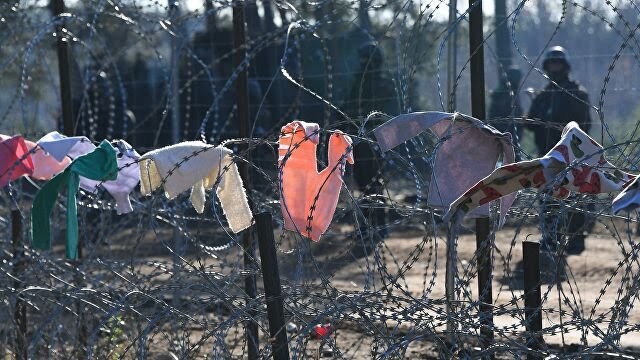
(196, 165)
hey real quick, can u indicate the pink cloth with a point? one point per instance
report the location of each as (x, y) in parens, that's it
(468, 151)
(308, 198)
(15, 160)
(45, 166)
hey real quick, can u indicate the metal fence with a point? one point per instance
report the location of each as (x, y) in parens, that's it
(165, 282)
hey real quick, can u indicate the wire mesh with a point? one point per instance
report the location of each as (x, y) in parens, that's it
(167, 282)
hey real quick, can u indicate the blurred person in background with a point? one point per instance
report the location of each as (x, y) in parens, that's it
(563, 100)
(505, 105)
(372, 90)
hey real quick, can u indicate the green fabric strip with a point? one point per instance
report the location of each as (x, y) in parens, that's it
(99, 165)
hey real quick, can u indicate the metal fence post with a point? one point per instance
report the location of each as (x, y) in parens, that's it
(452, 57)
(242, 102)
(532, 295)
(272, 286)
(483, 225)
(485, 277)
(20, 311)
(68, 128)
(62, 46)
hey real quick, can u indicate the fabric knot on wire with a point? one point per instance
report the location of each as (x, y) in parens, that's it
(99, 165)
(62, 148)
(196, 165)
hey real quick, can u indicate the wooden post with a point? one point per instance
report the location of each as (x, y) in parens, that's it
(20, 312)
(272, 287)
(532, 295)
(483, 225)
(242, 102)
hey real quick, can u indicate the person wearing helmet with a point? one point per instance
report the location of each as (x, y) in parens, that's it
(372, 90)
(563, 100)
(505, 104)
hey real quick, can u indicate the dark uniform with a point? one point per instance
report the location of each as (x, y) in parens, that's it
(372, 90)
(505, 103)
(560, 103)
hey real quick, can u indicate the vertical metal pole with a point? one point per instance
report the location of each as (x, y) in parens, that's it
(450, 279)
(174, 13)
(179, 242)
(62, 46)
(451, 263)
(242, 102)
(503, 48)
(363, 15)
(272, 287)
(452, 56)
(532, 295)
(20, 312)
(68, 128)
(483, 225)
(476, 52)
(485, 293)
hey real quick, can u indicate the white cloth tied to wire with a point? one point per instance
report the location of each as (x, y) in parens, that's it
(60, 146)
(196, 165)
(468, 151)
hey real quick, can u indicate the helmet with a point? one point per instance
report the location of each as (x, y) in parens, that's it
(370, 53)
(556, 53)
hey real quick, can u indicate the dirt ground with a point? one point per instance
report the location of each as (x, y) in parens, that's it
(586, 285)
(587, 293)
(579, 286)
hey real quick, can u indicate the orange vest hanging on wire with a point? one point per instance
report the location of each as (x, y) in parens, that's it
(308, 198)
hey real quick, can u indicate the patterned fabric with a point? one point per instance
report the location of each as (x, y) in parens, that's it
(467, 152)
(309, 198)
(198, 166)
(98, 165)
(15, 160)
(575, 164)
(629, 199)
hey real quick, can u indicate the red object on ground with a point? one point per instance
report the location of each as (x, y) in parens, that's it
(322, 331)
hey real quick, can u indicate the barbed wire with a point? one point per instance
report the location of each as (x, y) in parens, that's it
(166, 282)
